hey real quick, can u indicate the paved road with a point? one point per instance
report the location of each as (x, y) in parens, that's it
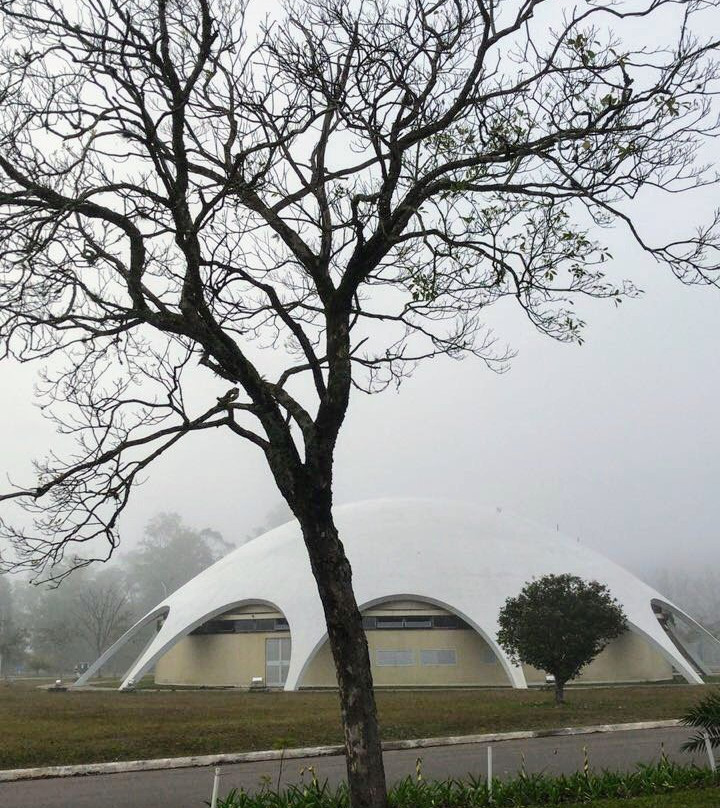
(190, 788)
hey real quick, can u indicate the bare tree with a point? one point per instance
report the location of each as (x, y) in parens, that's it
(102, 611)
(351, 185)
(13, 638)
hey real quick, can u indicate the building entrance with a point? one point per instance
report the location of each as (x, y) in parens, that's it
(277, 661)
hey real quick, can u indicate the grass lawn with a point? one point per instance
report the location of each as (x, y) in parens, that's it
(42, 728)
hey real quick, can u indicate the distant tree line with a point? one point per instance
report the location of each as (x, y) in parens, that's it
(52, 630)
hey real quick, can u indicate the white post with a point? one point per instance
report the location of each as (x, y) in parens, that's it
(489, 773)
(711, 754)
(216, 788)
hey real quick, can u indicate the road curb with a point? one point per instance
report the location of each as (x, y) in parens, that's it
(12, 775)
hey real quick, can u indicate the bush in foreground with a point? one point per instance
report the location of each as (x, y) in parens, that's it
(524, 790)
(705, 717)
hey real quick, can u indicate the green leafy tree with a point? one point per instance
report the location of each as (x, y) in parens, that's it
(559, 623)
(39, 664)
(50, 616)
(12, 636)
(169, 554)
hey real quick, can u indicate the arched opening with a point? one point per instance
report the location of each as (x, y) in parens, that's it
(418, 642)
(698, 647)
(155, 616)
(246, 646)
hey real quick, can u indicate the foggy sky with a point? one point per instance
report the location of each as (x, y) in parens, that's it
(616, 442)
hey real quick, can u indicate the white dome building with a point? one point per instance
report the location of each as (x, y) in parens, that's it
(430, 578)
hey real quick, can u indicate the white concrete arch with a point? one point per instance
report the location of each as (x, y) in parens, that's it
(160, 611)
(465, 558)
(677, 612)
(165, 640)
(665, 647)
(515, 674)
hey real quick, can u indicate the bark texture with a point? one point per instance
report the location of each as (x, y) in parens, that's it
(330, 565)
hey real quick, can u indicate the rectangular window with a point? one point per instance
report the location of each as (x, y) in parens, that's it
(448, 621)
(264, 624)
(389, 622)
(445, 656)
(390, 658)
(418, 622)
(415, 621)
(260, 624)
(277, 660)
(216, 627)
(244, 626)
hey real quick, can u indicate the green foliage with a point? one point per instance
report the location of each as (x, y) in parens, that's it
(39, 664)
(13, 638)
(66, 625)
(705, 716)
(559, 623)
(169, 554)
(524, 789)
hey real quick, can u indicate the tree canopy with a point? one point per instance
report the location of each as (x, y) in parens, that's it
(13, 638)
(351, 184)
(559, 624)
(168, 555)
(58, 627)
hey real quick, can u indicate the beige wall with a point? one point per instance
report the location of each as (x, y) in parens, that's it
(234, 659)
(476, 665)
(629, 658)
(215, 660)
(219, 659)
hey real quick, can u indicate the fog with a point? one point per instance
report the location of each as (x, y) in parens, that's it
(615, 442)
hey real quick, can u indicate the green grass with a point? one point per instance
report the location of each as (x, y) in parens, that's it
(42, 728)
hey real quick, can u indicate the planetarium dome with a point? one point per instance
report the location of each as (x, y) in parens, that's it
(430, 578)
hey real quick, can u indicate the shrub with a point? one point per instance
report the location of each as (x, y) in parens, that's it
(705, 716)
(523, 790)
(559, 623)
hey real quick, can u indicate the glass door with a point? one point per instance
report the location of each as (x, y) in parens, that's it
(277, 660)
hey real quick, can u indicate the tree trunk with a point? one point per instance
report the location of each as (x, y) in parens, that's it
(331, 568)
(559, 693)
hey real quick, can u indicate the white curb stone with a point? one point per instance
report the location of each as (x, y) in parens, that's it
(10, 775)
